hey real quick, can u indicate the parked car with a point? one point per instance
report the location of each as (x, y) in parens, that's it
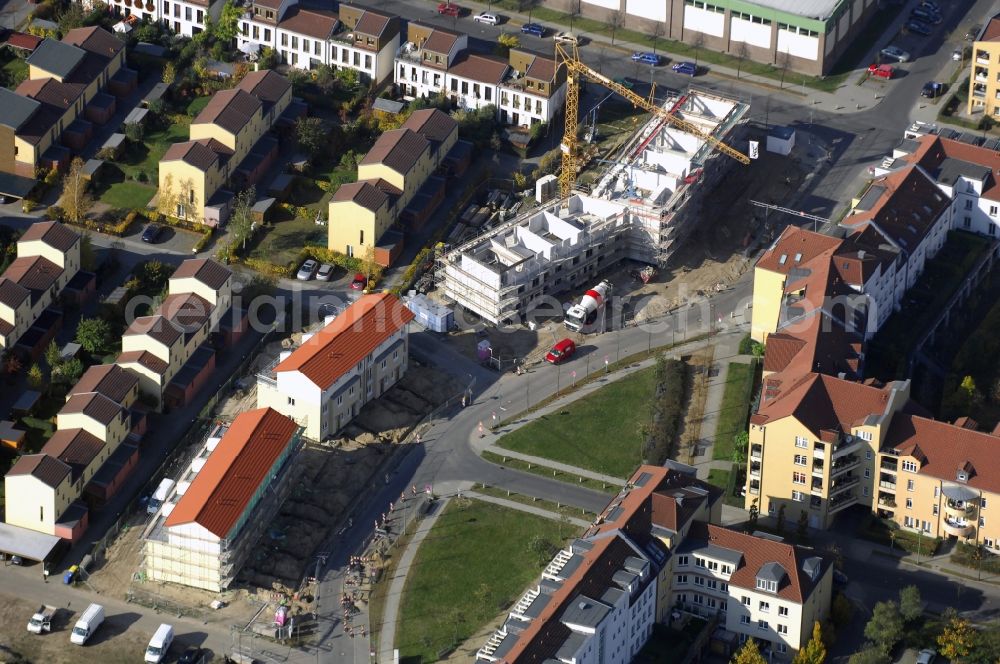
(533, 29)
(646, 58)
(565, 38)
(152, 233)
(926, 656)
(895, 53)
(840, 579)
(487, 18)
(926, 16)
(932, 89)
(918, 28)
(307, 270)
(191, 655)
(686, 68)
(359, 282)
(325, 272)
(973, 32)
(561, 352)
(931, 5)
(958, 54)
(449, 9)
(881, 71)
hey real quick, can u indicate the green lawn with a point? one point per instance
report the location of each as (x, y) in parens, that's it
(734, 410)
(128, 195)
(145, 157)
(474, 563)
(602, 432)
(197, 104)
(517, 464)
(882, 532)
(281, 241)
(15, 70)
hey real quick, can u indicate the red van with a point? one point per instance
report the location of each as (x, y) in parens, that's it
(561, 352)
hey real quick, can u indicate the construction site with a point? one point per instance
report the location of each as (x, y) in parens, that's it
(641, 209)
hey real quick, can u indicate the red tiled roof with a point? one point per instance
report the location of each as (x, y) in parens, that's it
(201, 153)
(48, 470)
(145, 359)
(482, 68)
(56, 235)
(369, 194)
(157, 327)
(350, 337)
(12, 293)
(111, 380)
(934, 149)
(992, 31)
(230, 109)
(266, 85)
(781, 349)
(94, 405)
(398, 149)
(74, 447)
(208, 272)
(372, 23)
(431, 123)
(792, 242)
(186, 310)
(33, 272)
(23, 41)
(315, 23)
(944, 448)
(234, 472)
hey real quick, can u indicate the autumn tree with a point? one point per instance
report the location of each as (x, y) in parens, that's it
(802, 527)
(52, 355)
(189, 199)
(748, 654)
(310, 135)
(742, 53)
(885, 628)
(35, 377)
(616, 19)
(957, 639)
(93, 334)
(166, 202)
(814, 652)
(88, 260)
(75, 199)
(226, 27)
(911, 607)
(241, 219)
(169, 73)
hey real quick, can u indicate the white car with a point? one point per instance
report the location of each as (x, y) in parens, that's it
(565, 38)
(926, 656)
(487, 18)
(895, 53)
(307, 270)
(325, 272)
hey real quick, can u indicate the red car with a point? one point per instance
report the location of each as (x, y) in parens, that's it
(881, 71)
(448, 9)
(360, 281)
(561, 352)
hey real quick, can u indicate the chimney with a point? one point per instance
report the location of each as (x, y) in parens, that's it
(861, 254)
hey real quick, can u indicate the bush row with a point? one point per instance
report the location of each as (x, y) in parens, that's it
(668, 410)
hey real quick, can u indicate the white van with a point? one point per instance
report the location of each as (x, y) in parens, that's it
(87, 624)
(159, 644)
(159, 496)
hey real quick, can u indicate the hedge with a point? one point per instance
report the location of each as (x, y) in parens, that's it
(668, 408)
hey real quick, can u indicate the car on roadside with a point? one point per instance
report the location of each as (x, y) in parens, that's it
(895, 53)
(152, 233)
(931, 5)
(307, 270)
(840, 579)
(686, 68)
(533, 29)
(926, 15)
(325, 272)
(449, 9)
(932, 90)
(561, 351)
(926, 656)
(359, 282)
(192, 655)
(565, 38)
(646, 58)
(881, 71)
(958, 54)
(973, 32)
(487, 18)
(918, 28)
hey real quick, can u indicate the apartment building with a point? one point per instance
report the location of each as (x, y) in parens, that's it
(807, 36)
(48, 258)
(184, 17)
(984, 74)
(230, 146)
(653, 554)
(71, 86)
(355, 358)
(222, 502)
(168, 349)
(354, 38)
(526, 88)
(396, 186)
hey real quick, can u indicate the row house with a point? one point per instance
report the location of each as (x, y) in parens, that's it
(184, 17)
(526, 88)
(72, 85)
(358, 356)
(230, 146)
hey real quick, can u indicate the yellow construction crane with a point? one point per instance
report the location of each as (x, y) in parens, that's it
(576, 68)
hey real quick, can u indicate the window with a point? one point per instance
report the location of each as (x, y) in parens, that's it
(968, 204)
(187, 13)
(910, 466)
(982, 503)
(868, 472)
(305, 45)
(982, 521)
(41, 513)
(782, 629)
(727, 569)
(799, 478)
(769, 586)
(295, 42)
(866, 436)
(699, 562)
(682, 560)
(967, 222)
(284, 39)
(909, 485)
(801, 441)
(991, 229)
(682, 578)
(800, 459)
(291, 401)
(909, 503)
(798, 496)
(783, 611)
(761, 624)
(868, 455)
(200, 16)
(934, 510)
(864, 490)
(764, 607)
(937, 491)
(744, 620)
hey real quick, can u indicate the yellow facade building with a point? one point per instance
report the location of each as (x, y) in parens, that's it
(984, 74)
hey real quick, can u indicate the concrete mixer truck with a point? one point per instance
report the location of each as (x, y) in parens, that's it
(587, 315)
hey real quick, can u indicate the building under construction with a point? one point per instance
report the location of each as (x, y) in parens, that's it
(641, 208)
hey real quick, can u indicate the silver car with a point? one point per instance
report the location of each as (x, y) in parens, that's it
(307, 270)
(895, 53)
(325, 272)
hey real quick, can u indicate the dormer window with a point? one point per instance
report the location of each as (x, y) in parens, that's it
(909, 466)
(962, 476)
(767, 586)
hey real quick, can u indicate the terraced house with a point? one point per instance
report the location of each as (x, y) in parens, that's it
(230, 147)
(47, 263)
(168, 349)
(72, 86)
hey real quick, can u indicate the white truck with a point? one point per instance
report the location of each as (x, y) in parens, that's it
(159, 496)
(588, 314)
(87, 624)
(42, 620)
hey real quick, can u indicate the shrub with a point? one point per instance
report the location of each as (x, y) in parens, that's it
(202, 242)
(28, 205)
(268, 268)
(56, 213)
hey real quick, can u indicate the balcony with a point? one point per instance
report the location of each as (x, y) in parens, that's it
(815, 503)
(755, 487)
(845, 447)
(982, 58)
(819, 452)
(959, 508)
(844, 464)
(755, 467)
(957, 528)
(756, 452)
(817, 487)
(979, 91)
(889, 465)
(843, 483)
(842, 501)
(887, 482)
(886, 500)
(818, 466)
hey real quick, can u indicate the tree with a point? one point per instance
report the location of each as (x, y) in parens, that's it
(93, 335)
(35, 377)
(241, 219)
(742, 53)
(166, 202)
(190, 199)
(697, 42)
(573, 9)
(802, 527)
(781, 519)
(616, 19)
(658, 31)
(957, 639)
(529, 6)
(169, 73)
(310, 134)
(369, 265)
(911, 606)
(885, 627)
(505, 42)
(75, 199)
(52, 355)
(872, 653)
(754, 514)
(72, 17)
(841, 611)
(68, 372)
(12, 364)
(88, 260)
(748, 654)
(226, 27)
(134, 131)
(814, 652)
(784, 62)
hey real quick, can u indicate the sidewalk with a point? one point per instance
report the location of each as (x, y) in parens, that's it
(522, 507)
